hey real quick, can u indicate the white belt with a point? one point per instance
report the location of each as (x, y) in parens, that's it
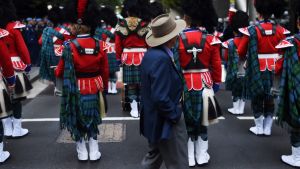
(134, 50)
(196, 71)
(268, 56)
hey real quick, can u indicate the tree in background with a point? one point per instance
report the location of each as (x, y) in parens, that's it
(174, 4)
(38, 8)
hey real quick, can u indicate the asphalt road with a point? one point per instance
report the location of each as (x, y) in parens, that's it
(231, 146)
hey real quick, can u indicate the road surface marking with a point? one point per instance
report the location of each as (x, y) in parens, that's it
(247, 117)
(104, 119)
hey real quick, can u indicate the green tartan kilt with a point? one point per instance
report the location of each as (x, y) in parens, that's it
(112, 62)
(90, 118)
(238, 88)
(131, 74)
(267, 81)
(194, 129)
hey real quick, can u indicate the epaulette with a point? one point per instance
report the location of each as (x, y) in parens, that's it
(215, 41)
(19, 25)
(132, 25)
(244, 31)
(121, 27)
(284, 44)
(3, 33)
(285, 31)
(144, 28)
(226, 43)
(218, 34)
(64, 31)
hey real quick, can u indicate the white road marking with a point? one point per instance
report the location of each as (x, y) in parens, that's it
(248, 117)
(38, 87)
(104, 119)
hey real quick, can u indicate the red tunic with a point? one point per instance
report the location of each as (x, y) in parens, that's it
(266, 45)
(130, 40)
(88, 64)
(5, 62)
(209, 57)
(236, 41)
(16, 45)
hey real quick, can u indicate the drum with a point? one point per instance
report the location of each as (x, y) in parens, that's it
(5, 101)
(23, 86)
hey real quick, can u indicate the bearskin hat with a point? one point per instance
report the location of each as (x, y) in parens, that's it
(138, 8)
(7, 12)
(298, 9)
(85, 12)
(156, 9)
(201, 12)
(108, 15)
(269, 7)
(239, 20)
(56, 15)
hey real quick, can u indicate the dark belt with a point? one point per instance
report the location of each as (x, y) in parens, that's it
(87, 74)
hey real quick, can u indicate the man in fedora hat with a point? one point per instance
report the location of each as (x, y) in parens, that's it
(161, 121)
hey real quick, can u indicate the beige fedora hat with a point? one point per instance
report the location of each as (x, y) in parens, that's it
(163, 29)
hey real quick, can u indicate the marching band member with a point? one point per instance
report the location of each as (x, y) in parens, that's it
(131, 46)
(200, 61)
(106, 34)
(288, 111)
(5, 102)
(52, 41)
(84, 69)
(259, 42)
(235, 66)
(21, 62)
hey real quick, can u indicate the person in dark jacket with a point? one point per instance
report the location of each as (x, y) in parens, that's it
(161, 121)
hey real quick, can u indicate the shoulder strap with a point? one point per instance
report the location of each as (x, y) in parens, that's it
(82, 50)
(189, 46)
(184, 40)
(203, 40)
(263, 31)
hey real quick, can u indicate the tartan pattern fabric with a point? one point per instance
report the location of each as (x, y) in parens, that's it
(238, 88)
(47, 54)
(232, 66)
(193, 124)
(262, 105)
(79, 114)
(289, 103)
(131, 74)
(90, 117)
(233, 83)
(254, 85)
(100, 31)
(112, 63)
